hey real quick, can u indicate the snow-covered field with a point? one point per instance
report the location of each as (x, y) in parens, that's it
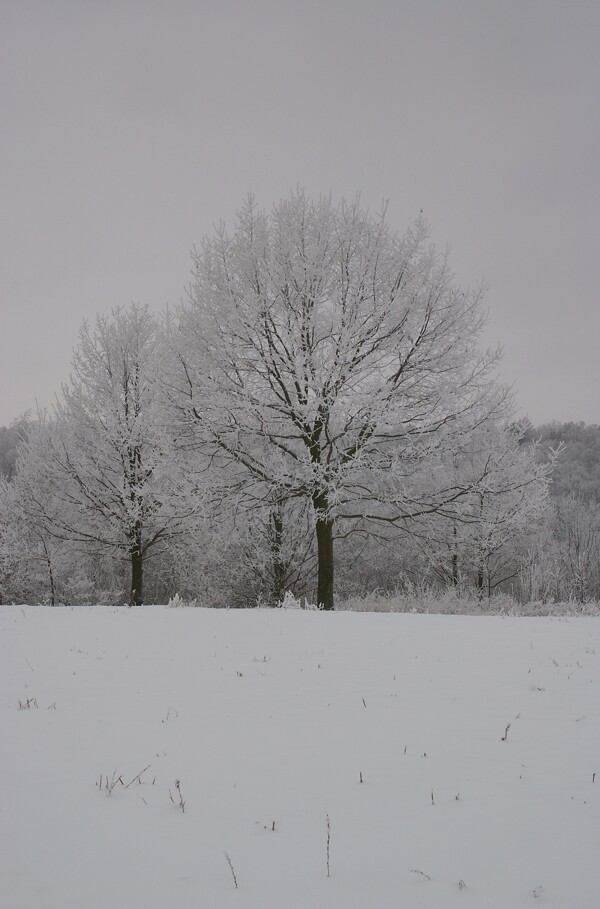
(476, 738)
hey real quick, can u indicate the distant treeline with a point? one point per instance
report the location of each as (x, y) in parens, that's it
(577, 470)
(9, 438)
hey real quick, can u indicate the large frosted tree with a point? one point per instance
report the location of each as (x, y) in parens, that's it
(325, 357)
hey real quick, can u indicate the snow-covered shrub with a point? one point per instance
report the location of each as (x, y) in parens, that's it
(289, 601)
(178, 602)
(452, 602)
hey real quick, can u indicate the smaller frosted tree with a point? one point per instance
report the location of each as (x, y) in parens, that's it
(27, 554)
(487, 537)
(99, 473)
(577, 530)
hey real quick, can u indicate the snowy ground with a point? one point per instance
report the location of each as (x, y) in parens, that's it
(268, 719)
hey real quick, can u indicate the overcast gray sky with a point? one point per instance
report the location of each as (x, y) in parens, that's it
(129, 128)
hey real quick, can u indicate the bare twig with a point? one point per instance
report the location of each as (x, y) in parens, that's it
(138, 776)
(422, 873)
(232, 871)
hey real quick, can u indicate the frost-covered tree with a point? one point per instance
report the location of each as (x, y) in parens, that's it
(9, 440)
(577, 531)
(323, 357)
(491, 532)
(36, 565)
(27, 555)
(562, 562)
(275, 553)
(99, 472)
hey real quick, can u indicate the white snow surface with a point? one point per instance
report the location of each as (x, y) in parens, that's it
(268, 718)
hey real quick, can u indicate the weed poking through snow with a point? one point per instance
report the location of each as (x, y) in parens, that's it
(422, 873)
(181, 802)
(229, 862)
(108, 783)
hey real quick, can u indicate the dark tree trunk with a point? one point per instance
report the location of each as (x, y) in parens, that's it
(278, 566)
(50, 575)
(136, 597)
(454, 559)
(325, 556)
(52, 585)
(480, 582)
(455, 570)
